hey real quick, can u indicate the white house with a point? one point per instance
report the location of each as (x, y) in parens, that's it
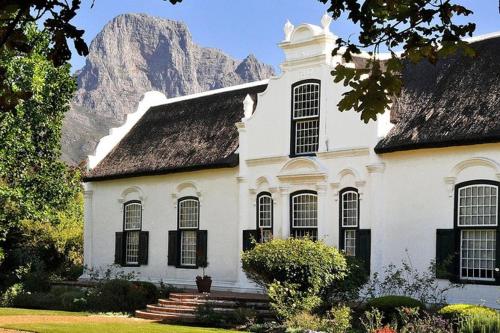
(194, 177)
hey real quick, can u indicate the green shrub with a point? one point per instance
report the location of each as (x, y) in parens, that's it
(310, 265)
(11, 293)
(121, 295)
(39, 300)
(347, 289)
(151, 291)
(472, 318)
(389, 304)
(74, 300)
(338, 319)
(303, 322)
(287, 300)
(294, 271)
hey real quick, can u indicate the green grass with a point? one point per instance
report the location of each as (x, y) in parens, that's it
(91, 326)
(21, 312)
(112, 328)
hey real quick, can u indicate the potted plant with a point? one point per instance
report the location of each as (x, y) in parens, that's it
(204, 282)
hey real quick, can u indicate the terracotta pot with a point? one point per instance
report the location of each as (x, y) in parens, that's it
(204, 284)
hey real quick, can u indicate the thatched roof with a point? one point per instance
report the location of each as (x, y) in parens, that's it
(191, 134)
(456, 102)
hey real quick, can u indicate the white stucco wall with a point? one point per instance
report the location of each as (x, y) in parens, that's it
(217, 192)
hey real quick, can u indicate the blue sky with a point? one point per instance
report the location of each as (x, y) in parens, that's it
(242, 27)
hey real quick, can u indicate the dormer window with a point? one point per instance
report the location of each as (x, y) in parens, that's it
(305, 117)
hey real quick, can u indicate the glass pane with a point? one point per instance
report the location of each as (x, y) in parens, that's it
(188, 248)
(133, 216)
(477, 205)
(188, 213)
(478, 254)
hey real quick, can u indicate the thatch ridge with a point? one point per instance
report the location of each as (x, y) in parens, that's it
(456, 102)
(191, 134)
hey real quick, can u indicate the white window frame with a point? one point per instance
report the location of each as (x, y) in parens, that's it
(348, 232)
(304, 230)
(309, 109)
(129, 229)
(265, 231)
(471, 249)
(189, 229)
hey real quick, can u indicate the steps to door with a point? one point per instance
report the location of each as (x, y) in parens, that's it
(182, 306)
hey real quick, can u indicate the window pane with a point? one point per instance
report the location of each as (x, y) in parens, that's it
(311, 233)
(305, 210)
(132, 247)
(265, 211)
(350, 209)
(306, 136)
(350, 242)
(306, 100)
(478, 254)
(133, 216)
(188, 213)
(477, 205)
(188, 248)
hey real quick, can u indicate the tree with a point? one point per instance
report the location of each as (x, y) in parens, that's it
(34, 184)
(15, 17)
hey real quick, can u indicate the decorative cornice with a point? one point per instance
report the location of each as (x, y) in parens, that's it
(344, 152)
(376, 168)
(266, 160)
(313, 178)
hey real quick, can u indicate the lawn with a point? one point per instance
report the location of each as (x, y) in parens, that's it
(43, 321)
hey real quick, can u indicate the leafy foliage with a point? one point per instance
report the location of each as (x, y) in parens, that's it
(294, 271)
(406, 280)
(388, 305)
(471, 318)
(17, 17)
(423, 29)
(39, 198)
(415, 321)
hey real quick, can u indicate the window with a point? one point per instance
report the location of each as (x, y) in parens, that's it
(132, 225)
(304, 214)
(305, 117)
(349, 220)
(188, 215)
(264, 217)
(477, 227)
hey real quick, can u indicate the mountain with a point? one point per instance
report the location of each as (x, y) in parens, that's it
(136, 53)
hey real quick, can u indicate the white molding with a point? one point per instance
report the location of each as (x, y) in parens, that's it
(376, 168)
(344, 152)
(266, 160)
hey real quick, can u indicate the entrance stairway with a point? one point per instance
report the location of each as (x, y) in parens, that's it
(181, 306)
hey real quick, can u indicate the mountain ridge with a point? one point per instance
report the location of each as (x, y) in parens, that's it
(136, 53)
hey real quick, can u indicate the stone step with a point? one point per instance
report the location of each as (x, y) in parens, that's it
(171, 309)
(166, 317)
(217, 303)
(219, 297)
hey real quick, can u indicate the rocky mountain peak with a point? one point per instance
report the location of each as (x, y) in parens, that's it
(136, 53)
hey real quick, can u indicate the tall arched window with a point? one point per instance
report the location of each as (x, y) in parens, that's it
(264, 217)
(477, 227)
(131, 243)
(305, 117)
(188, 223)
(304, 214)
(349, 220)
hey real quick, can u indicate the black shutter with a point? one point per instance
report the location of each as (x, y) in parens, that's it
(201, 248)
(173, 256)
(119, 248)
(363, 247)
(249, 238)
(143, 247)
(446, 259)
(497, 261)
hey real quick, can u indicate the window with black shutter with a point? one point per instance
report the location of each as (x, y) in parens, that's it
(349, 220)
(131, 245)
(264, 206)
(187, 246)
(470, 252)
